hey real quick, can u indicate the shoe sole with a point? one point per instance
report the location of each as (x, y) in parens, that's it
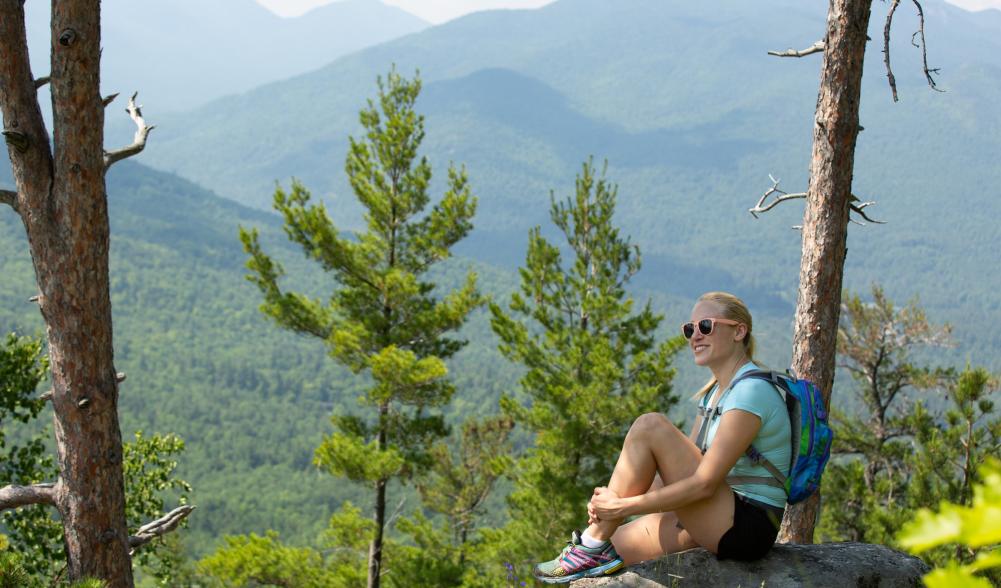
(603, 570)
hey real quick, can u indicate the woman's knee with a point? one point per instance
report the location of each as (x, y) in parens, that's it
(650, 423)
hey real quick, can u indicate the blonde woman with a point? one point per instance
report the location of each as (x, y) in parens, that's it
(679, 494)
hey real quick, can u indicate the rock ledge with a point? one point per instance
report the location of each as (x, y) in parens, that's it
(827, 565)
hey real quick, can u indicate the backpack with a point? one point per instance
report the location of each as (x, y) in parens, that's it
(811, 437)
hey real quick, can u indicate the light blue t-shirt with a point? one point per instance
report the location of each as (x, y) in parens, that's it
(760, 398)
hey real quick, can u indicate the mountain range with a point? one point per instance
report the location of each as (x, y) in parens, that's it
(184, 53)
(683, 103)
(691, 115)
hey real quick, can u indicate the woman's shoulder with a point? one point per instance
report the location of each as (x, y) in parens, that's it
(756, 389)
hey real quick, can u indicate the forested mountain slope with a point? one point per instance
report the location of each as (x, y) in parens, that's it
(251, 400)
(692, 116)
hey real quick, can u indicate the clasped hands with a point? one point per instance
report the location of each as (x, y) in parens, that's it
(606, 505)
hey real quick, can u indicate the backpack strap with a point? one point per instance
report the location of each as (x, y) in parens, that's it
(707, 413)
(763, 480)
(778, 478)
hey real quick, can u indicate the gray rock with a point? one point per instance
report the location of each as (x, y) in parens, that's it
(828, 565)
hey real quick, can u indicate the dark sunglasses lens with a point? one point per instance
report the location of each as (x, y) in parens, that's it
(705, 326)
(688, 329)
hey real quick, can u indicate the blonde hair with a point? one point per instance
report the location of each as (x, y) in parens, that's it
(735, 310)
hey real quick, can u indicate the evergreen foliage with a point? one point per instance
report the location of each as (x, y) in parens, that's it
(35, 538)
(455, 489)
(901, 454)
(34, 535)
(384, 320)
(253, 560)
(975, 528)
(876, 342)
(593, 365)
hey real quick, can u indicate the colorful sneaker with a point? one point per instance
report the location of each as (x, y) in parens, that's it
(577, 561)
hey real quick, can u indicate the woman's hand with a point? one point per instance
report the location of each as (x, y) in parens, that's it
(606, 504)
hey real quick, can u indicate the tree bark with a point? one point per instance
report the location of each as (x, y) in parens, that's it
(375, 549)
(62, 203)
(825, 221)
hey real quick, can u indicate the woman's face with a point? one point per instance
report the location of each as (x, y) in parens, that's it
(721, 344)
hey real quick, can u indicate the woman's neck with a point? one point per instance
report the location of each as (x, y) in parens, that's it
(726, 370)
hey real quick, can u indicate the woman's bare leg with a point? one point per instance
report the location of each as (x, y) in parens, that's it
(651, 536)
(655, 446)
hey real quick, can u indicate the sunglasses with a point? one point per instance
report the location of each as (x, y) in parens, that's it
(705, 325)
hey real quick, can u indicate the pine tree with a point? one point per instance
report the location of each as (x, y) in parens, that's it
(455, 489)
(876, 341)
(593, 366)
(902, 454)
(384, 319)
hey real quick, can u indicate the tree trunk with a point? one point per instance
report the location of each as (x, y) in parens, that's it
(375, 549)
(825, 221)
(62, 202)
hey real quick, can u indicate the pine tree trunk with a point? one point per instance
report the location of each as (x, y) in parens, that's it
(375, 549)
(62, 202)
(825, 222)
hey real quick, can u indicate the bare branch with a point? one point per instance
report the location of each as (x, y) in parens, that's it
(759, 208)
(857, 206)
(396, 512)
(18, 496)
(139, 143)
(817, 47)
(46, 396)
(160, 526)
(886, 48)
(9, 197)
(924, 49)
(109, 99)
(41, 82)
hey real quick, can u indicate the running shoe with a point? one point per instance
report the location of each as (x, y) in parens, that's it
(577, 561)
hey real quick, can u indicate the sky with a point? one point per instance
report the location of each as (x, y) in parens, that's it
(433, 11)
(439, 11)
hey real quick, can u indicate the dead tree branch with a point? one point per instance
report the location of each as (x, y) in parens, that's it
(783, 196)
(17, 496)
(9, 198)
(109, 99)
(924, 50)
(817, 47)
(886, 48)
(856, 205)
(41, 81)
(139, 143)
(160, 526)
(929, 72)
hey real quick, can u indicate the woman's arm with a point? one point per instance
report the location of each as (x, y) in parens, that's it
(737, 429)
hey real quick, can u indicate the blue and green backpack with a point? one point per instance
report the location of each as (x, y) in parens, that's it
(811, 435)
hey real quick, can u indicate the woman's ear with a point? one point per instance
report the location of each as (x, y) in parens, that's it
(740, 333)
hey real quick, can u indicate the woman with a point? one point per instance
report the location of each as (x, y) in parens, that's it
(680, 492)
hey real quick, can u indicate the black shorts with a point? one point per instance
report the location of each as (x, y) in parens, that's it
(753, 533)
